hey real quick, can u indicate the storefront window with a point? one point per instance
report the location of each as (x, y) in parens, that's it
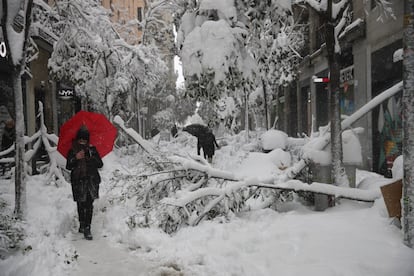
(387, 118)
(347, 90)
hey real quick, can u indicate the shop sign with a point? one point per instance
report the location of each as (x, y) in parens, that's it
(346, 74)
(66, 94)
(3, 50)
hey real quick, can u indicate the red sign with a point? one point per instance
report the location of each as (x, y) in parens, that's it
(324, 80)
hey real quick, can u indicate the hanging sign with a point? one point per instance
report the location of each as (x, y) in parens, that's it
(3, 49)
(323, 80)
(65, 94)
(346, 74)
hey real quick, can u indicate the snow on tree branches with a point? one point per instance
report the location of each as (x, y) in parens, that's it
(102, 66)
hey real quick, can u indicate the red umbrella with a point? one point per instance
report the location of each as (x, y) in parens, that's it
(102, 132)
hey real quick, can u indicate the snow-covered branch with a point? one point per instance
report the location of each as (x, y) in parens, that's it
(345, 124)
(185, 198)
(144, 144)
(56, 162)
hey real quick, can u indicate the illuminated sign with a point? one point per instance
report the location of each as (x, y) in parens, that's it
(3, 50)
(66, 94)
(321, 80)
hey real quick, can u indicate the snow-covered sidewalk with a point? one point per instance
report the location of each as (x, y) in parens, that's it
(102, 257)
(54, 247)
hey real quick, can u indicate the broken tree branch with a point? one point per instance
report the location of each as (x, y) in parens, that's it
(292, 185)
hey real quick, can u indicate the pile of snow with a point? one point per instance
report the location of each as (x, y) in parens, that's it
(45, 251)
(397, 168)
(352, 150)
(274, 139)
(264, 165)
(351, 147)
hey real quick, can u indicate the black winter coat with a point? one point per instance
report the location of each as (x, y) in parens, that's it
(81, 186)
(208, 143)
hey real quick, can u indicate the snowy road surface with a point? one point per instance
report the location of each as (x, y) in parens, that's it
(102, 257)
(97, 257)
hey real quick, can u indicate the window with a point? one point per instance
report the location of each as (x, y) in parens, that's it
(139, 14)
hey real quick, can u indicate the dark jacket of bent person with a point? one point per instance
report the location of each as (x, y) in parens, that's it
(208, 143)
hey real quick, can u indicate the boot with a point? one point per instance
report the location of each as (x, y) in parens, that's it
(81, 227)
(87, 232)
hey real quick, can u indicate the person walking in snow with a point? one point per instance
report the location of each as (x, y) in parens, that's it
(208, 143)
(174, 131)
(83, 161)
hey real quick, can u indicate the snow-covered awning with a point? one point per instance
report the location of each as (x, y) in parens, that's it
(353, 31)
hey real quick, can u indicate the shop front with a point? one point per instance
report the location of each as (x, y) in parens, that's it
(68, 103)
(387, 118)
(347, 84)
(6, 89)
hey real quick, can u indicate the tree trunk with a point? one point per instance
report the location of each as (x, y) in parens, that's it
(334, 97)
(265, 104)
(408, 125)
(246, 114)
(20, 183)
(17, 63)
(286, 109)
(139, 116)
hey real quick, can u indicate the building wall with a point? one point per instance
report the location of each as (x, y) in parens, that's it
(40, 88)
(124, 11)
(379, 36)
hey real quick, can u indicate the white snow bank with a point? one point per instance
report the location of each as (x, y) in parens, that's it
(50, 214)
(397, 168)
(264, 165)
(274, 139)
(352, 150)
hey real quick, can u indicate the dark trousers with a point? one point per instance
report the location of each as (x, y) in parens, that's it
(85, 210)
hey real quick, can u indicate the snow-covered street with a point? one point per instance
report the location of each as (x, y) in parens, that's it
(206, 138)
(352, 238)
(102, 257)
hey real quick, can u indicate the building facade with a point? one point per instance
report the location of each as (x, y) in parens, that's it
(36, 84)
(123, 12)
(123, 15)
(59, 100)
(367, 69)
